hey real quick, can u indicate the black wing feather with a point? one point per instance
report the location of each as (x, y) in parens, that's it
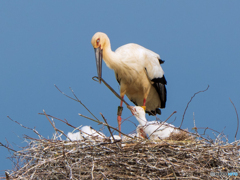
(159, 85)
(118, 79)
(161, 61)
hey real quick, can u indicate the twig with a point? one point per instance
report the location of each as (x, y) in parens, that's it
(92, 168)
(195, 134)
(104, 175)
(237, 118)
(163, 123)
(34, 130)
(57, 130)
(7, 175)
(194, 124)
(64, 121)
(105, 125)
(108, 126)
(127, 119)
(70, 169)
(205, 129)
(76, 100)
(97, 121)
(111, 89)
(173, 120)
(1, 144)
(171, 165)
(83, 104)
(189, 103)
(50, 122)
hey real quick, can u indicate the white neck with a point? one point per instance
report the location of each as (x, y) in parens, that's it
(110, 58)
(142, 120)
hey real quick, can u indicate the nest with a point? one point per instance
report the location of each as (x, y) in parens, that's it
(183, 155)
(133, 159)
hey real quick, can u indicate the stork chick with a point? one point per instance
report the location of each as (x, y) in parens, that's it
(154, 129)
(75, 136)
(91, 134)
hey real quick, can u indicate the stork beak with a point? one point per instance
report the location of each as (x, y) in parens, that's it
(132, 109)
(98, 55)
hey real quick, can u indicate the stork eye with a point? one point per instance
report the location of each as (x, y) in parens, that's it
(97, 41)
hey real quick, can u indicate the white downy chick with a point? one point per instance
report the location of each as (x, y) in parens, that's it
(140, 134)
(75, 136)
(91, 134)
(154, 129)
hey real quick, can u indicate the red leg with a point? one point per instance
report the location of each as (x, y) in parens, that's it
(144, 104)
(121, 102)
(120, 108)
(119, 124)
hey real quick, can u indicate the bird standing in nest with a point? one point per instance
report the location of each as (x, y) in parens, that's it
(138, 71)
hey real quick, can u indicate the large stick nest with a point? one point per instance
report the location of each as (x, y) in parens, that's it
(132, 159)
(183, 155)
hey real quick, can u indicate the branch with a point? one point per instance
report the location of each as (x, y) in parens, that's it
(34, 130)
(64, 121)
(99, 122)
(1, 144)
(163, 123)
(76, 100)
(108, 127)
(57, 130)
(237, 118)
(189, 103)
(113, 91)
(205, 129)
(82, 104)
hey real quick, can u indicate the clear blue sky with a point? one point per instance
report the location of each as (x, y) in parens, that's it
(43, 43)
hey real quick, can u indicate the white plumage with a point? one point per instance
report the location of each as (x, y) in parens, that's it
(75, 136)
(139, 134)
(86, 132)
(133, 135)
(154, 129)
(116, 138)
(91, 134)
(137, 70)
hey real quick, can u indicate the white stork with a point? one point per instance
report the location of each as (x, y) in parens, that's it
(137, 70)
(154, 129)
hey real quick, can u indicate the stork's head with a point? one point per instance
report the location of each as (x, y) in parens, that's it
(139, 113)
(99, 40)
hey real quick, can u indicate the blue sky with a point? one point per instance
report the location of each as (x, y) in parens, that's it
(43, 43)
